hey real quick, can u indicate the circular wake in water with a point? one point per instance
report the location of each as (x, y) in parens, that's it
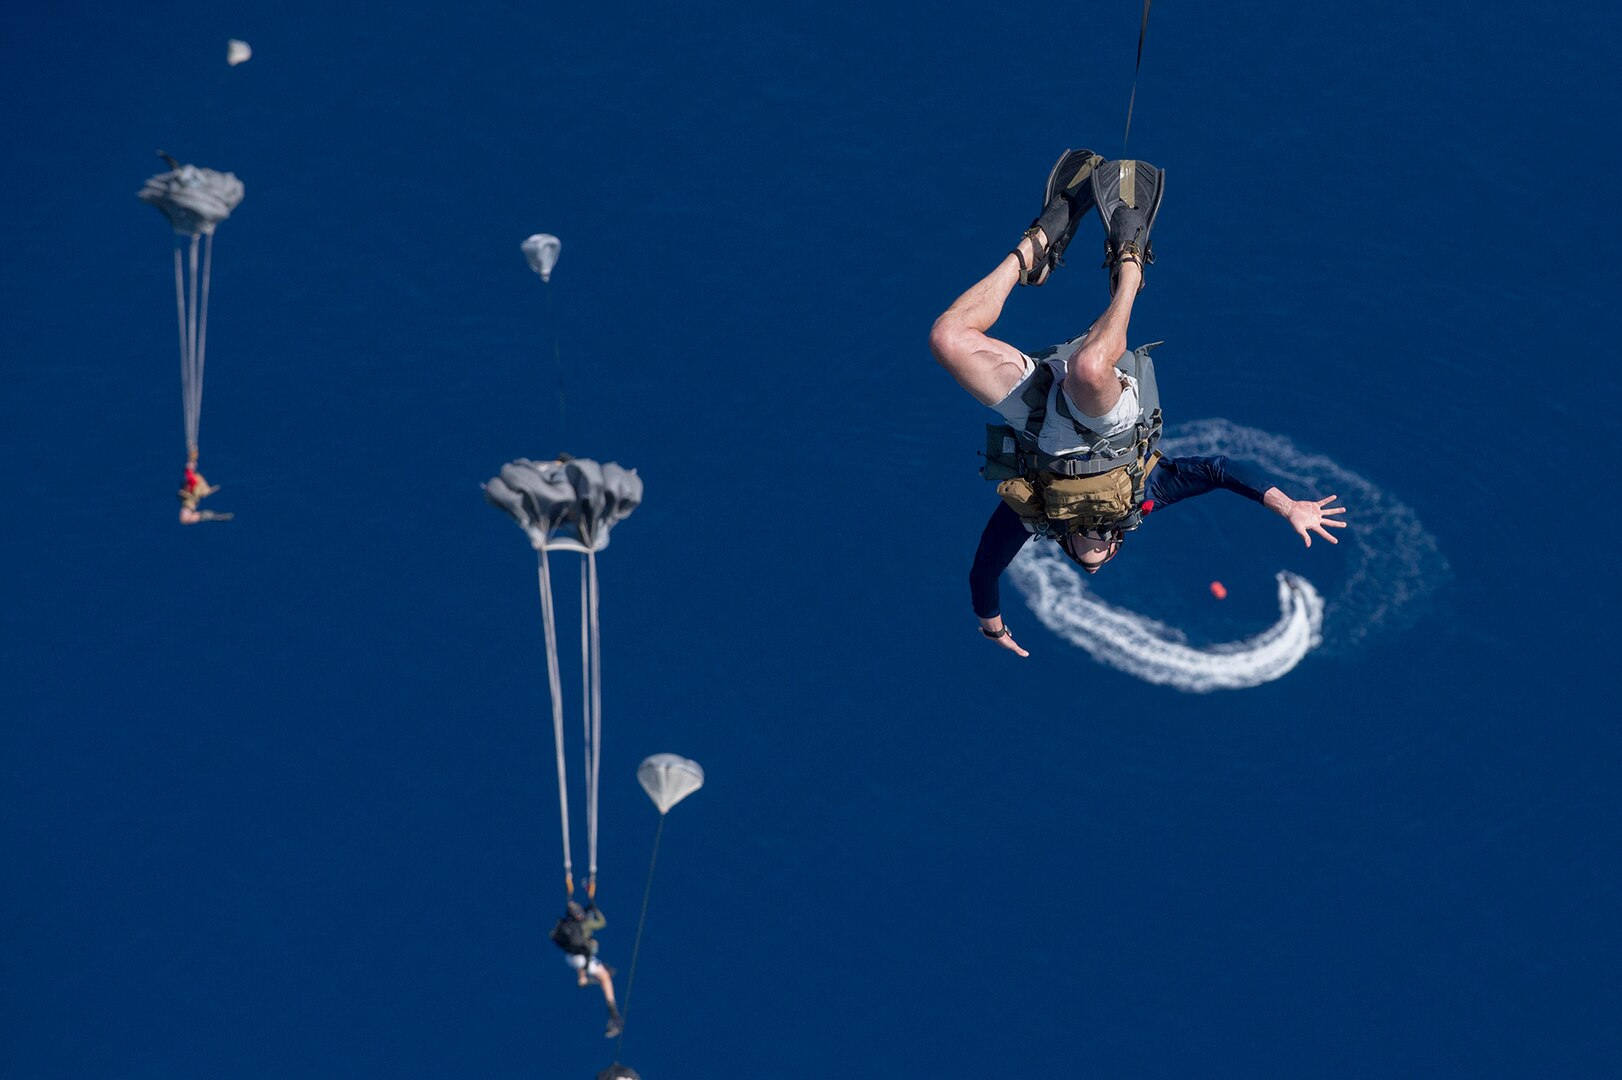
(1395, 563)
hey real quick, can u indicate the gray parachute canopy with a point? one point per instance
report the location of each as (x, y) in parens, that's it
(617, 1071)
(571, 504)
(542, 251)
(669, 778)
(194, 200)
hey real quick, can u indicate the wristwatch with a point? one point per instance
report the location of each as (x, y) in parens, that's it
(995, 634)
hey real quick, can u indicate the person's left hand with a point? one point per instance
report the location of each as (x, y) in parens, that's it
(1307, 517)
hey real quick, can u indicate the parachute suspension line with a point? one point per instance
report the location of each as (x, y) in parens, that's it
(191, 346)
(185, 353)
(585, 729)
(193, 315)
(557, 356)
(1143, 30)
(202, 342)
(591, 682)
(554, 680)
(596, 712)
(641, 920)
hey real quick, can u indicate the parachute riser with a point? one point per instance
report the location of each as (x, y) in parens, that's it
(596, 704)
(201, 355)
(555, 684)
(1143, 31)
(591, 693)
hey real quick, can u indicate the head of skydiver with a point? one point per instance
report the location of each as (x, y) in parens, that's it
(1092, 548)
(576, 912)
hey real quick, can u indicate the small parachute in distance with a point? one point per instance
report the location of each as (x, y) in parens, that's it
(669, 778)
(1219, 590)
(237, 52)
(542, 251)
(617, 1071)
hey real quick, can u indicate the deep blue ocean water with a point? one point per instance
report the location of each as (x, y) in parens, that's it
(277, 795)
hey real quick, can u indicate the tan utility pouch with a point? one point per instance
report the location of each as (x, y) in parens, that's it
(1022, 497)
(1089, 501)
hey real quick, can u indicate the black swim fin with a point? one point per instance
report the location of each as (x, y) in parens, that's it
(1128, 195)
(1065, 201)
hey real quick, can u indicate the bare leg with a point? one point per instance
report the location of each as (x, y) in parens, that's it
(982, 365)
(606, 981)
(1090, 377)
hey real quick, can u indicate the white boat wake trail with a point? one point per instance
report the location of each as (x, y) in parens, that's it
(1395, 563)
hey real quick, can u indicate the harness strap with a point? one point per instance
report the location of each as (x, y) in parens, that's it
(1100, 442)
(1137, 457)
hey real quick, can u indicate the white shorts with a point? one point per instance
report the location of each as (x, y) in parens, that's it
(1057, 436)
(576, 961)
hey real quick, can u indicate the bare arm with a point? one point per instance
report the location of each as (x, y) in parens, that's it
(1306, 516)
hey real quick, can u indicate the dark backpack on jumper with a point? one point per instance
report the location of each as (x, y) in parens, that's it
(571, 936)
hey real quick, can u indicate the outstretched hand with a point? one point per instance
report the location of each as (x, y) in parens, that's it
(1307, 517)
(1006, 640)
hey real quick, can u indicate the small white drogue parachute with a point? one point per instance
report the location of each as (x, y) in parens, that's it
(237, 52)
(542, 251)
(668, 779)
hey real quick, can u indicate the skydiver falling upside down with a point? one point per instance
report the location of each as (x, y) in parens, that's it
(1077, 459)
(194, 488)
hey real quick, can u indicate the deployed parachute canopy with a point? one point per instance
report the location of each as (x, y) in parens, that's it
(617, 1071)
(542, 251)
(565, 505)
(237, 52)
(570, 505)
(668, 779)
(195, 201)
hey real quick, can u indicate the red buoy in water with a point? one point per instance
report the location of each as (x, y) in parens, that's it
(1219, 590)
